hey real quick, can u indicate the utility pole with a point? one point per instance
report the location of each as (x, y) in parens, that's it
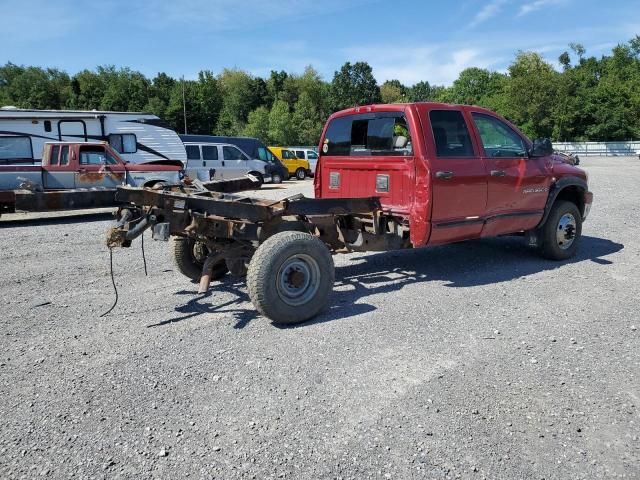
(184, 107)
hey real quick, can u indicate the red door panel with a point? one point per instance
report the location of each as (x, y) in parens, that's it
(517, 185)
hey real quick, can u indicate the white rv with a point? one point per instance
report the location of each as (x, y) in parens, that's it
(138, 137)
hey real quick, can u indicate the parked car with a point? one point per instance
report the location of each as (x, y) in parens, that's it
(567, 157)
(310, 156)
(222, 161)
(254, 148)
(77, 175)
(296, 167)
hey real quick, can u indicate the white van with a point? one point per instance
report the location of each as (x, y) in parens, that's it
(307, 154)
(221, 161)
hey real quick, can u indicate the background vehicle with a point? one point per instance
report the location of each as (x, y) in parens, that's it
(253, 147)
(309, 155)
(389, 177)
(222, 161)
(296, 167)
(137, 137)
(77, 175)
(567, 157)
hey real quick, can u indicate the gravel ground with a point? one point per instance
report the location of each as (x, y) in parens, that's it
(477, 360)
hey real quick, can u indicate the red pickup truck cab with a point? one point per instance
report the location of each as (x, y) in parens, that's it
(452, 172)
(77, 175)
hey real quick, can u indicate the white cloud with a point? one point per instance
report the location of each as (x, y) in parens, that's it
(536, 5)
(491, 9)
(438, 64)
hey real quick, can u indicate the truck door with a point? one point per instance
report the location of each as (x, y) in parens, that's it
(517, 185)
(98, 168)
(458, 178)
(234, 162)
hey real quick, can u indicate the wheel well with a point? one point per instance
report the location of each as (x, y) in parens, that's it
(573, 194)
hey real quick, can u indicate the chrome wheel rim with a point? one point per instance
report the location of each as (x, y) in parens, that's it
(298, 280)
(566, 231)
(277, 179)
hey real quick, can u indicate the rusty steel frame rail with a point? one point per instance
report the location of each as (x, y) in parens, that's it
(244, 208)
(29, 201)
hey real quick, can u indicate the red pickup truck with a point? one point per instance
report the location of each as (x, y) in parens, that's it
(453, 172)
(75, 176)
(388, 177)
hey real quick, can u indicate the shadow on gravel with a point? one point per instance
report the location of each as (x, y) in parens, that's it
(65, 220)
(466, 264)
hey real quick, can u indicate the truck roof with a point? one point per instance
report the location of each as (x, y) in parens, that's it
(377, 107)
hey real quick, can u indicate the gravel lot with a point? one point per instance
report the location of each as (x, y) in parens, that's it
(478, 360)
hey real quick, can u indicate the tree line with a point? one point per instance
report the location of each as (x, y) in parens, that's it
(588, 99)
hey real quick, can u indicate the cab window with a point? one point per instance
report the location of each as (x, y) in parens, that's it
(193, 152)
(232, 153)
(300, 154)
(450, 134)
(288, 155)
(498, 139)
(370, 134)
(95, 156)
(64, 155)
(209, 152)
(55, 153)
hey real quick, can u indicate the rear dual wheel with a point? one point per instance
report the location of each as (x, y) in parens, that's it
(190, 255)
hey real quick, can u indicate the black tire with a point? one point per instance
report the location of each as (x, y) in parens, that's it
(276, 178)
(562, 231)
(301, 174)
(259, 176)
(189, 257)
(274, 290)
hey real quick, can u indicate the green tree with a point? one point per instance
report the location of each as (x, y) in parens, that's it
(258, 125)
(354, 85)
(281, 128)
(421, 92)
(306, 121)
(531, 93)
(392, 91)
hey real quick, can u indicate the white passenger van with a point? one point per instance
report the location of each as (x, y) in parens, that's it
(221, 161)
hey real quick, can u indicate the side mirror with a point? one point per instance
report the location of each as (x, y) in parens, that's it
(541, 147)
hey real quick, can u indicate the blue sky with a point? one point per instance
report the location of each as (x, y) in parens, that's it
(409, 40)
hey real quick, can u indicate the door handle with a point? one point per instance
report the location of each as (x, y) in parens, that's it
(498, 173)
(223, 163)
(445, 175)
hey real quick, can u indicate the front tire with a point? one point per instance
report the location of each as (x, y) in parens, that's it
(290, 277)
(259, 176)
(562, 231)
(276, 178)
(301, 174)
(189, 257)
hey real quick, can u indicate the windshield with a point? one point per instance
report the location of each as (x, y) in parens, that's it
(265, 155)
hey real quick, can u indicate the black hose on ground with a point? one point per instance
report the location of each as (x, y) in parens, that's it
(113, 281)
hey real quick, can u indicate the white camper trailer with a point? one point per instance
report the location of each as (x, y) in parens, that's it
(138, 137)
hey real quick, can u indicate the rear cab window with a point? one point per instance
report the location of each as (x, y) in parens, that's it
(368, 134)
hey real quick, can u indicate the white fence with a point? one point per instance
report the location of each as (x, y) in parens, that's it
(604, 149)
